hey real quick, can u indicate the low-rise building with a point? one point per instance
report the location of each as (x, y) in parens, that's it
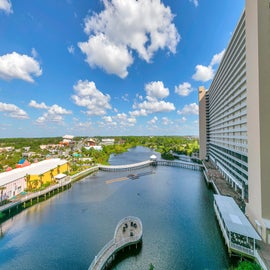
(107, 141)
(31, 177)
(90, 142)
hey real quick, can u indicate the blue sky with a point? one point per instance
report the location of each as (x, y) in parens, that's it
(108, 67)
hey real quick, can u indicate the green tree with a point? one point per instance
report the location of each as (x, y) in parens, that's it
(247, 265)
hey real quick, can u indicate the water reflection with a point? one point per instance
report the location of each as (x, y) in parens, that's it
(68, 230)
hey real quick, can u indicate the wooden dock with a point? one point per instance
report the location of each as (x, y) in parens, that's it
(116, 180)
(129, 177)
(128, 232)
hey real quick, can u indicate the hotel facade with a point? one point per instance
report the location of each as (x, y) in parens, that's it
(234, 114)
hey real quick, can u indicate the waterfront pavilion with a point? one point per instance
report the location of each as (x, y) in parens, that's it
(239, 234)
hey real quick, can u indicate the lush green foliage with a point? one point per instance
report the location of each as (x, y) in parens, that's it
(247, 265)
(33, 143)
(166, 145)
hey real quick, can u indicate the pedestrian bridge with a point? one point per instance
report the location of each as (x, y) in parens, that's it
(128, 232)
(127, 167)
(139, 165)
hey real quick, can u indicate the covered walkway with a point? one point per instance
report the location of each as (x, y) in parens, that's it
(239, 234)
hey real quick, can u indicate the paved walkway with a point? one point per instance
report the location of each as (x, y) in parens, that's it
(264, 251)
(222, 185)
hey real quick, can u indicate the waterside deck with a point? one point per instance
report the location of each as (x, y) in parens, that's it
(37, 196)
(128, 232)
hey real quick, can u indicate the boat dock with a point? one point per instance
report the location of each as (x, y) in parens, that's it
(128, 232)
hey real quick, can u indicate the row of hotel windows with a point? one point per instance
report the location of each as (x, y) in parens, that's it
(231, 160)
(230, 112)
(232, 171)
(229, 72)
(231, 58)
(231, 84)
(230, 142)
(242, 158)
(236, 131)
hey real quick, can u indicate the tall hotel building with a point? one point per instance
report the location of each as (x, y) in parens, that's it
(235, 114)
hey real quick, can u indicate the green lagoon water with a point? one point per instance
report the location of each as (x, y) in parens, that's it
(67, 231)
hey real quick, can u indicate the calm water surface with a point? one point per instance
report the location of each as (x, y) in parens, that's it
(68, 230)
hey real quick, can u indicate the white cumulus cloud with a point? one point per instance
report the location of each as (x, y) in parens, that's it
(192, 108)
(206, 73)
(153, 102)
(203, 73)
(36, 105)
(124, 27)
(71, 49)
(6, 6)
(13, 111)
(156, 90)
(83, 125)
(153, 121)
(217, 58)
(88, 96)
(155, 106)
(101, 52)
(53, 113)
(108, 121)
(17, 66)
(125, 121)
(166, 121)
(183, 89)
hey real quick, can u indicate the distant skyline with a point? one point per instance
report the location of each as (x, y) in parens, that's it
(100, 67)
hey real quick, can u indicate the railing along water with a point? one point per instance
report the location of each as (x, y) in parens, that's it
(128, 232)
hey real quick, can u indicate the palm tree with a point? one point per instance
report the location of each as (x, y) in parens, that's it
(28, 182)
(35, 182)
(40, 179)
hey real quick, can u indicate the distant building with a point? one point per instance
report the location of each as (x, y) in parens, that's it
(234, 114)
(16, 181)
(107, 141)
(28, 154)
(22, 163)
(68, 137)
(49, 146)
(7, 149)
(90, 142)
(67, 140)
